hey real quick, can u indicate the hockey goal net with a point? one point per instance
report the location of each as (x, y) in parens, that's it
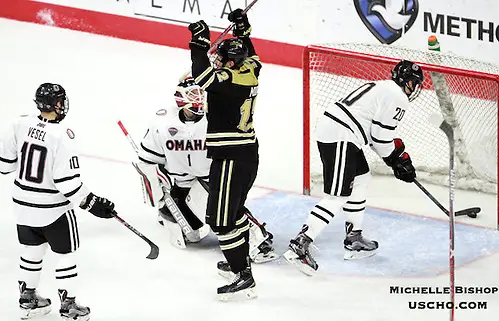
(464, 91)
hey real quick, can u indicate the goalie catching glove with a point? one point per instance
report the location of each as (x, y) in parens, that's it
(242, 27)
(200, 35)
(98, 206)
(400, 162)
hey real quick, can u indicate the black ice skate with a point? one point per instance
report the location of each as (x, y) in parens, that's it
(356, 246)
(224, 270)
(299, 255)
(70, 310)
(242, 287)
(31, 304)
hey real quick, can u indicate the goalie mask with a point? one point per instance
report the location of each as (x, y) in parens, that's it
(190, 96)
(409, 76)
(52, 97)
(231, 49)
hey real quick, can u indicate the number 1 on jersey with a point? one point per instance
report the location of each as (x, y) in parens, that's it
(247, 110)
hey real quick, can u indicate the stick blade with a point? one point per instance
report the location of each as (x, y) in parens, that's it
(470, 212)
(154, 252)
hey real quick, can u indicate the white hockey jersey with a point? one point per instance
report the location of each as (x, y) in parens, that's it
(178, 145)
(367, 116)
(47, 181)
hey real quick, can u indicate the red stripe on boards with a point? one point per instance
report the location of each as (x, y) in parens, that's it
(133, 28)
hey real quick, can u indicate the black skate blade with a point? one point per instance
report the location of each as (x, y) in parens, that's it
(470, 212)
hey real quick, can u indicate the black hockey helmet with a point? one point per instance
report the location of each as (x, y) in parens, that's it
(232, 49)
(47, 98)
(409, 76)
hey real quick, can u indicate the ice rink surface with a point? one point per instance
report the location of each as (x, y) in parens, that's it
(109, 79)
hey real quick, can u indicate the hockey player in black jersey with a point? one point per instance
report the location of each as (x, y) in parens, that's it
(232, 87)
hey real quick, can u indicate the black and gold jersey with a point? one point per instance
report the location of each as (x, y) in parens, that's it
(231, 97)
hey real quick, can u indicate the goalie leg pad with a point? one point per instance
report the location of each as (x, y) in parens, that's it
(260, 241)
(151, 188)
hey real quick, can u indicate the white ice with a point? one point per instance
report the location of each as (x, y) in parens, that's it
(109, 79)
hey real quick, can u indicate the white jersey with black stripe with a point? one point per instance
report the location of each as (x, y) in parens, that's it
(179, 145)
(47, 171)
(369, 115)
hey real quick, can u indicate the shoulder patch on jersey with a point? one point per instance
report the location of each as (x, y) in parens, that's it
(70, 133)
(222, 75)
(173, 131)
(161, 112)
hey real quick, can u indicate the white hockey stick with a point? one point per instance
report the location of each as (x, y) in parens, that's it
(192, 235)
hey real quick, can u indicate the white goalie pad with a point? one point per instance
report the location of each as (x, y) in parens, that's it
(175, 235)
(256, 238)
(197, 200)
(151, 188)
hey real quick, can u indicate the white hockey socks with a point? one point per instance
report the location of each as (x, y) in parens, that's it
(354, 213)
(321, 214)
(30, 265)
(66, 273)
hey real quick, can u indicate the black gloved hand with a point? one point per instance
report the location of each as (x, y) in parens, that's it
(242, 27)
(401, 162)
(98, 206)
(200, 35)
(404, 170)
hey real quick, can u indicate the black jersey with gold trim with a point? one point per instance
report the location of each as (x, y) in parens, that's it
(231, 97)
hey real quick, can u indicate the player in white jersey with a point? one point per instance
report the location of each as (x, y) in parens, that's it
(367, 116)
(47, 184)
(173, 152)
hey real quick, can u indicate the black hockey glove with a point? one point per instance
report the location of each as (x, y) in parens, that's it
(401, 162)
(242, 27)
(98, 206)
(200, 35)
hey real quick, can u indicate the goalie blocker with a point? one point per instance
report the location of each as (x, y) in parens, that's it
(182, 211)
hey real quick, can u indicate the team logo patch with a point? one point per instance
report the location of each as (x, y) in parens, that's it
(173, 131)
(387, 20)
(70, 133)
(161, 112)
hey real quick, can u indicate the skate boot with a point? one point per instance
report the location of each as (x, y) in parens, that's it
(299, 255)
(242, 287)
(31, 304)
(266, 251)
(224, 270)
(70, 310)
(356, 246)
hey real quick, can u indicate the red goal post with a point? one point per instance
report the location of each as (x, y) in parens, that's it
(468, 98)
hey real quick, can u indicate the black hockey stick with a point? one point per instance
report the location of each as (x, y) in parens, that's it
(471, 212)
(227, 30)
(153, 254)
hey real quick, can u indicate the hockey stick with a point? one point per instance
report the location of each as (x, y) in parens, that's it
(228, 29)
(438, 120)
(153, 254)
(470, 212)
(192, 235)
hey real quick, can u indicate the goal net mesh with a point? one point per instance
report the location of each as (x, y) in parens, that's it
(463, 91)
